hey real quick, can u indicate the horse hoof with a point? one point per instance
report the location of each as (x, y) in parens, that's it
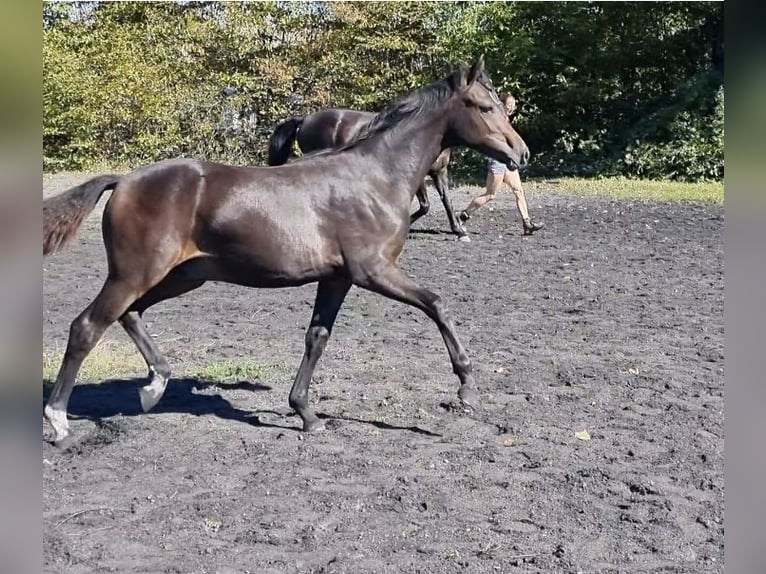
(464, 238)
(467, 397)
(65, 443)
(151, 394)
(313, 426)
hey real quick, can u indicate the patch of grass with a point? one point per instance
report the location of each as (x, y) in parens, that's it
(232, 369)
(108, 360)
(635, 189)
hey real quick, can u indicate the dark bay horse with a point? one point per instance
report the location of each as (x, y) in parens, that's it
(338, 218)
(337, 126)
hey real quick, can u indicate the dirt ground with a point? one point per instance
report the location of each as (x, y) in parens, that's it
(609, 320)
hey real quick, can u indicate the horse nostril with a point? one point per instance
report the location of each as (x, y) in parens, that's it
(525, 157)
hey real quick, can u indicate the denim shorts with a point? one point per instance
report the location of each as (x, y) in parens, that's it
(495, 166)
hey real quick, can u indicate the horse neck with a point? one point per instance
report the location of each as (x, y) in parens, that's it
(409, 149)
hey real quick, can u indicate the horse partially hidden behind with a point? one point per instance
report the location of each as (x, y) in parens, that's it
(333, 127)
(339, 218)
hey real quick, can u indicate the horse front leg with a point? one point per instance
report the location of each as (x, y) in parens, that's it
(388, 279)
(329, 298)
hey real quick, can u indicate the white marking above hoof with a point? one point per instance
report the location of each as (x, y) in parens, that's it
(464, 239)
(59, 422)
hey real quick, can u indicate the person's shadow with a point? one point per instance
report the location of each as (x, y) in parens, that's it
(113, 397)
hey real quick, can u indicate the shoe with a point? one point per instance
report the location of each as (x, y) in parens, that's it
(530, 228)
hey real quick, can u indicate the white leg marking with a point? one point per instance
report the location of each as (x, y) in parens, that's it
(58, 421)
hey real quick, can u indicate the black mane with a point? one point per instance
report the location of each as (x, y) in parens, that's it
(412, 106)
(418, 103)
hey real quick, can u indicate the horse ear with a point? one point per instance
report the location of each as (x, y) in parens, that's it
(463, 75)
(476, 70)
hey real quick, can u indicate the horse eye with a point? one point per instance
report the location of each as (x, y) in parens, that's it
(485, 109)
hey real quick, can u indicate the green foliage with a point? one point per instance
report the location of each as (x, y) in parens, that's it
(602, 84)
(687, 146)
(604, 88)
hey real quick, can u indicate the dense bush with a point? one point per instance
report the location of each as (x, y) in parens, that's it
(687, 146)
(604, 88)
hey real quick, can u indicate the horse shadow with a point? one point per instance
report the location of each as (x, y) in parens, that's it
(113, 397)
(187, 395)
(424, 231)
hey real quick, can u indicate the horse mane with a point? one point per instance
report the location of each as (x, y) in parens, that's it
(411, 107)
(408, 108)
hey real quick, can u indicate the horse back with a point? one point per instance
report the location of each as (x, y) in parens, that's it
(331, 128)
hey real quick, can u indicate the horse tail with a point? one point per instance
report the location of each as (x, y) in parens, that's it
(64, 213)
(281, 141)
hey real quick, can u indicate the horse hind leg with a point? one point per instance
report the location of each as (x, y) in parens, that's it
(329, 298)
(85, 331)
(159, 370)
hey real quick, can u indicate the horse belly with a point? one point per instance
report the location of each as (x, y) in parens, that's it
(274, 256)
(271, 238)
(288, 265)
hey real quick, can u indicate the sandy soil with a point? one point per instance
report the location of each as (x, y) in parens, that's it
(609, 320)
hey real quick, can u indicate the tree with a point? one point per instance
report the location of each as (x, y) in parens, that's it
(603, 87)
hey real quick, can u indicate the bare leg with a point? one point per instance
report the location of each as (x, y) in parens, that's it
(512, 178)
(422, 195)
(86, 330)
(494, 181)
(329, 298)
(442, 184)
(387, 279)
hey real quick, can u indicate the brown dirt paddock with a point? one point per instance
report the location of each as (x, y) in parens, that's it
(609, 320)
